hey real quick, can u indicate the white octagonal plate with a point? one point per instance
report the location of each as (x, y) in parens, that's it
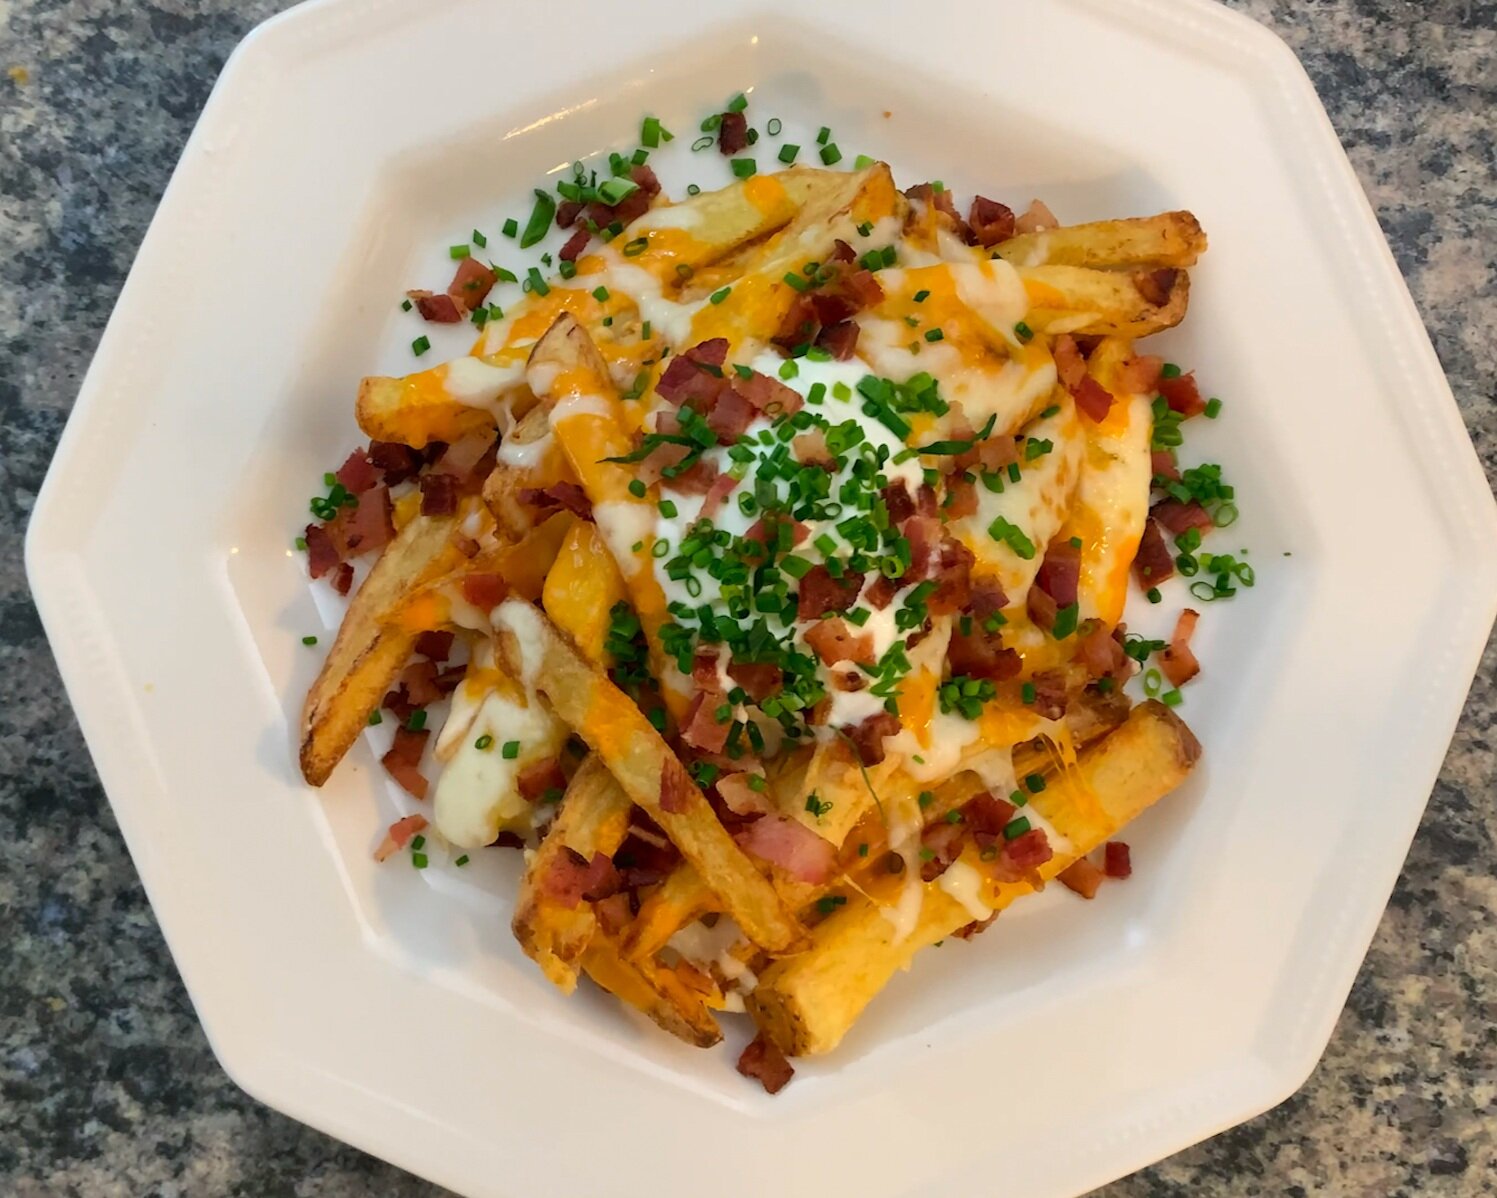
(1074, 1042)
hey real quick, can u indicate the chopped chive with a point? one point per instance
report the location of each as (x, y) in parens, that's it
(934, 335)
(406, 305)
(420, 345)
(717, 297)
(300, 542)
(511, 227)
(821, 137)
(536, 282)
(738, 103)
(667, 508)
(651, 132)
(511, 750)
(831, 155)
(1016, 828)
(309, 640)
(484, 742)
(1023, 332)
(375, 719)
(743, 168)
(637, 488)
(706, 141)
(1153, 595)
(773, 126)
(600, 294)
(1169, 371)
(416, 720)
(921, 296)
(419, 860)
(540, 219)
(634, 248)
(457, 252)
(1027, 692)
(461, 861)
(1213, 409)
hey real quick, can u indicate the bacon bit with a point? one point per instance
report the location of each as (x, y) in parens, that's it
(1117, 860)
(434, 308)
(924, 535)
(792, 846)
(980, 654)
(399, 835)
(897, 499)
(471, 284)
(704, 669)
(646, 180)
(810, 449)
(861, 289)
(943, 844)
(435, 645)
(343, 578)
(538, 777)
(767, 394)
(438, 495)
(1163, 465)
(695, 377)
(732, 133)
(1101, 655)
(701, 727)
(1025, 853)
(403, 760)
(798, 326)
(763, 1061)
(1069, 364)
(357, 474)
(758, 679)
(820, 593)
(322, 554)
(834, 642)
(976, 927)
(448, 679)
(575, 244)
(840, 339)
(567, 213)
(613, 913)
(987, 598)
(991, 221)
(570, 878)
(558, 495)
(953, 579)
(696, 480)
(1182, 395)
(1082, 877)
(1155, 285)
(1042, 608)
(1153, 563)
(764, 533)
(1140, 375)
(1180, 517)
(881, 592)
(740, 796)
(357, 530)
(1036, 219)
(1178, 661)
(646, 856)
(987, 816)
(396, 461)
(675, 786)
(730, 415)
(464, 457)
(419, 681)
(1093, 400)
(1059, 575)
(961, 499)
(1050, 693)
(868, 736)
(485, 591)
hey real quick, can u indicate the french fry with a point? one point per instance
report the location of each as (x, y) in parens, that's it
(678, 900)
(617, 731)
(440, 404)
(594, 818)
(529, 458)
(1077, 299)
(806, 1004)
(655, 989)
(1169, 239)
(373, 643)
(572, 381)
(582, 587)
(1112, 495)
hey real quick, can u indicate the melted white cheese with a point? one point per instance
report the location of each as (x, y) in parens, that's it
(475, 383)
(523, 622)
(525, 455)
(964, 884)
(477, 793)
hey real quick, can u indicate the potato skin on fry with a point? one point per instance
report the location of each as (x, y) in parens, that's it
(1168, 239)
(372, 644)
(807, 1003)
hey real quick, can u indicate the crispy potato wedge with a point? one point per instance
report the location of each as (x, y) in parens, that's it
(1169, 239)
(1077, 299)
(806, 1004)
(440, 404)
(373, 643)
(582, 587)
(649, 773)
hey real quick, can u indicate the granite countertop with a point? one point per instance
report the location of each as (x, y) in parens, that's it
(107, 1086)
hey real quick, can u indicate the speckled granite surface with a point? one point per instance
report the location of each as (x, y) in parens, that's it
(107, 1086)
